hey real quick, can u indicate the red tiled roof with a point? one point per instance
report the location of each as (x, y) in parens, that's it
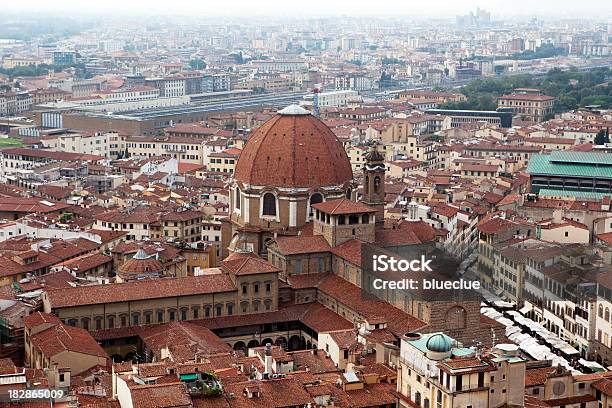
(604, 386)
(343, 206)
(537, 376)
(398, 321)
(247, 264)
(160, 395)
(29, 205)
(38, 318)
(285, 392)
(172, 335)
(350, 251)
(61, 337)
(145, 289)
(302, 244)
(49, 154)
(493, 225)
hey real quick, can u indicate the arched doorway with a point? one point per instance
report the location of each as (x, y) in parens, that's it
(253, 343)
(266, 341)
(295, 343)
(239, 345)
(281, 341)
(131, 356)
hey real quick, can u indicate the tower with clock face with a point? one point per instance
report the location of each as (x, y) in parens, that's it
(374, 182)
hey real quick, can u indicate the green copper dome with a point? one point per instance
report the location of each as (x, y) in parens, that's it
(439, 343)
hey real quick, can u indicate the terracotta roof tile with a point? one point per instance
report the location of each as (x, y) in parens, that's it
(293, 151)
(145, 289)
(343, 206)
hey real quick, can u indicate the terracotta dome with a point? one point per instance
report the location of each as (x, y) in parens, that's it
(140, 265)
(293, 149)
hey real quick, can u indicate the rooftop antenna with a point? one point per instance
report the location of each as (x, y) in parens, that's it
(315, 101)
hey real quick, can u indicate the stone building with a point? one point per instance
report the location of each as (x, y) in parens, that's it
(290, 163)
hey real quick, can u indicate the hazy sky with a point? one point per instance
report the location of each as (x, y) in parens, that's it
(432, 8)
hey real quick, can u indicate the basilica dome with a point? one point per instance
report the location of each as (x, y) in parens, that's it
(293, 149)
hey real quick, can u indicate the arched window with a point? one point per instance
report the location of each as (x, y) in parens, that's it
(269, 204)
(607, 315)
(353, 219)
(135, 319)
(316, 198)
(376, 184)
(237, 198)
(600, 311)
(365, 219)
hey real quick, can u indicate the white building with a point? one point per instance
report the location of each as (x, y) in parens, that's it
(333, 98)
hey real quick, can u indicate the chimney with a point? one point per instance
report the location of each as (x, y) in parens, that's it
(605, 203)
(557, 216)
(268, 360)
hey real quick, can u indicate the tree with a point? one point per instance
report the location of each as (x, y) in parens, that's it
(602, 137)
(197, 64)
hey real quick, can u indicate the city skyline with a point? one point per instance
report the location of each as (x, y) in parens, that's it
(319, 8)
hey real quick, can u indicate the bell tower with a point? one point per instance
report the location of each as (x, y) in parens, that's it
(374, 183)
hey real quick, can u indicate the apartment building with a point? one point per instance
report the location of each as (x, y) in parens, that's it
(279, 65)
(493, 231)
(91, 144)
(533, 107)
(224, 161)
(435, 371)
(184, 149)
(184, 225)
